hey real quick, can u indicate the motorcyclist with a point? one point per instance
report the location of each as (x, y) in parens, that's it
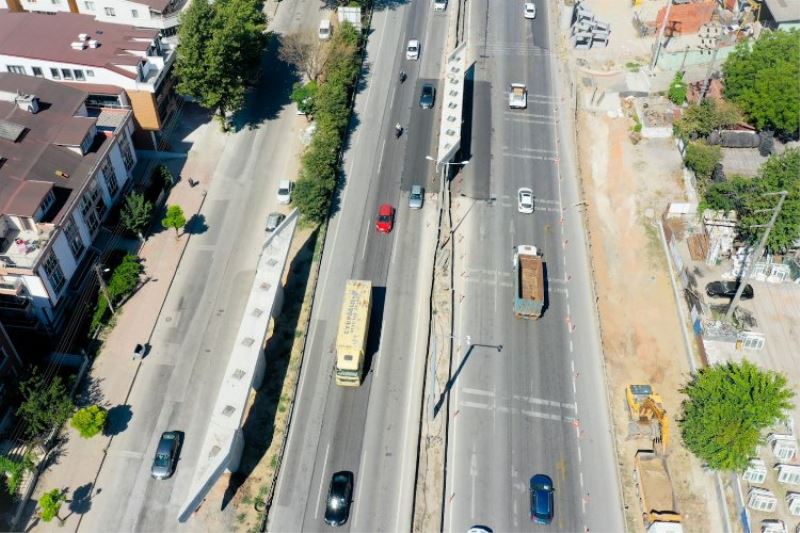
(402, 76)
(398, 129)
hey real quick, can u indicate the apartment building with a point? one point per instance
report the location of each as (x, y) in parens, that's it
(118, 66)
(10, 370)
(62, 167)
(158, 14)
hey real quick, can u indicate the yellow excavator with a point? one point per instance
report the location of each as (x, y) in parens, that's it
(648, 416)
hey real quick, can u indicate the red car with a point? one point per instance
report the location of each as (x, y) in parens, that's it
(385, 221)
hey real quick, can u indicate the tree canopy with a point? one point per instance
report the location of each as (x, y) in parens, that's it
(699, 120)
(762, 80)
(174, 218)
(727, 408)
(50, 504)
(89, 421)
(220, 52)
(747, 197)
(46, 404)
(136, 213)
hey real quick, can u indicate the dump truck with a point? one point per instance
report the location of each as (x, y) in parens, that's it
(351, 339)
(518, 96)
(528, 282)
(655, 490)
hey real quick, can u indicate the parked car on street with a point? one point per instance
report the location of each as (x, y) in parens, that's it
(727, 289)
(285, 188)
(541, 499)
(525, 200)
(385, 221)
(340, 496)
(427, 96)
(166, 455)
(529, 10)
(274, 220)
(416, 197)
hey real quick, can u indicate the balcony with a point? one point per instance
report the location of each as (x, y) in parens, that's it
(22, 248)
(11, 286)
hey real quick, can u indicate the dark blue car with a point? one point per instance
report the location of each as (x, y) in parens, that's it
(541, 499)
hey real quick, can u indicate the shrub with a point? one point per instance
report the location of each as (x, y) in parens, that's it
(702, 158)
(89, 421)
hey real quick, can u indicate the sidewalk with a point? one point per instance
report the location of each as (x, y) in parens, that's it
(114, 371)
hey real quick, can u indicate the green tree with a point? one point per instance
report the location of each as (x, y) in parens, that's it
(699, 120)
(727, 408)
(174, 218)
(220, 53)
(136, 213)
(89, 421)
(303, 95)
(50, 505)
(702, 158)
(747, 197)
(14, 469)
(46, 405)
(677, 89)
(762, 80)
(125, 277)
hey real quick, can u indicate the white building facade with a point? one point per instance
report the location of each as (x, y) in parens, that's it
(66, 172)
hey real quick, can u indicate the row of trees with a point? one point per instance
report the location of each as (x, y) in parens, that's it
(327, 97)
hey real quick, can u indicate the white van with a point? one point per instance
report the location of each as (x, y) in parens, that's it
(324, 29)
(412, 50)
(439, 5)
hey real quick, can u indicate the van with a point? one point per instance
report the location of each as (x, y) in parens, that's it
(439, 5)
(412, 50)
(324, 29)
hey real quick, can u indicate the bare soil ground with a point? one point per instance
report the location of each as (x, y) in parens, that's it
(623, 184)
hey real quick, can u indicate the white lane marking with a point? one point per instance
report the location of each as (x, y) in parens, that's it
(581, 478)
(478, 392)
(322, 481)
(570, 349)
(580, 457)
(574, 387)
(516, 514)
(572, 363)
(366, 238)
(541, 401)
(473, 472)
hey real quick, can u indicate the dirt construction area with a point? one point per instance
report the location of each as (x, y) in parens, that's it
(626, 188)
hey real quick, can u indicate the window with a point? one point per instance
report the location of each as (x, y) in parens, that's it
(54, 273)
(37, 71)
(110, 177)
(67, 73)
(16, 69)
(89, 6)
(79, 75)
(92, 206)
(55, 73)
(110, 12)
(56, 2)
(127, 155)
(76, 245)
(135, 13)
(90, 73)
(47, 202)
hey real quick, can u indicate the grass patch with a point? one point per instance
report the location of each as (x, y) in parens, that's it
(633, 66)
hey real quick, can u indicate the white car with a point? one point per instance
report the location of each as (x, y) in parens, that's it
(529, 10)
(412, 50)
(525, 200)
(285, 188)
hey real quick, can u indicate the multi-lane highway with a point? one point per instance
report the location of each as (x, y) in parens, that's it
(372, 431)
(539, 405)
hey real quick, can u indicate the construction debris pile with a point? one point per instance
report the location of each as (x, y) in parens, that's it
(585, 30)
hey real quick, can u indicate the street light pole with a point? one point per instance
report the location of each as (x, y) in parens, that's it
(103, 286)
(756, 253)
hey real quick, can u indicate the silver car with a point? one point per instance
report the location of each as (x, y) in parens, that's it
(416, 197)
(274, 220)
(166, 455)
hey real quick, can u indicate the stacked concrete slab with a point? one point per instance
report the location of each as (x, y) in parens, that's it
(585, 30)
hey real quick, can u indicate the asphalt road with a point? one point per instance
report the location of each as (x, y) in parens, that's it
(373, 430)
(177, 385)
(539, 404)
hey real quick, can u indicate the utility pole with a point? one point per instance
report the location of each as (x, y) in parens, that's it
(104, 287)
(758, 251)
(657, 47)
(707, 81)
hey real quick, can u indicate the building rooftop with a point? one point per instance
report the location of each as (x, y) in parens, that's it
(784, 10)
(51, 38)
(50, 142)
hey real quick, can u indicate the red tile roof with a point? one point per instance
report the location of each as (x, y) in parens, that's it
(49, 38)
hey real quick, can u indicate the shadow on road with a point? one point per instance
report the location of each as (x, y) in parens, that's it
(452, 380)
(118, 419)
(269, 403)
(270, 93)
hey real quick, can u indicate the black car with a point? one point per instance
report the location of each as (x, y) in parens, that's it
(166, 455)
(340, 495)
(427, 96)
(541, 499)
(727, 289)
